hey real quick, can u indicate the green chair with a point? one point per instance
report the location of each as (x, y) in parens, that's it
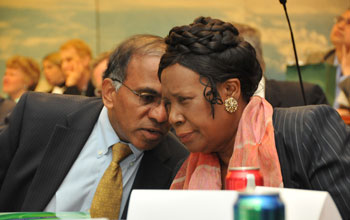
(322, 74)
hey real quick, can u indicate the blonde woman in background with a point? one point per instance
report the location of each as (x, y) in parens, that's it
(21, 75)
(340, 56)
(53, 73)
(76, 56)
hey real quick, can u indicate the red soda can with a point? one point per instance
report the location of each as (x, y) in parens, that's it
(237, 178)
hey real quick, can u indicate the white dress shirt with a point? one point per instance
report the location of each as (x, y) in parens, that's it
(78, 188)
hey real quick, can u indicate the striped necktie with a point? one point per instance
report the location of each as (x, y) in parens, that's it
(108, 195)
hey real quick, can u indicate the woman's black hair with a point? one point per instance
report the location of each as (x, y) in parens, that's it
(214, 50)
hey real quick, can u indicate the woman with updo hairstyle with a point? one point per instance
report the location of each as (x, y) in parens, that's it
(21, 75)
(209, 75)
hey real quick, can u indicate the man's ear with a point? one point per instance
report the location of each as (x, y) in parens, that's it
(231, 88)
(108, 91)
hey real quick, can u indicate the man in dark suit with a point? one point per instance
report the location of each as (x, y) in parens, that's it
(339, 36)
(313, 146)
(288, 94)
(56, 148)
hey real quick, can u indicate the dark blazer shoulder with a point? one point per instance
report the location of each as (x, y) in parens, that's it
(288, 94)
(52, 108)
(47, 131)
(302, 114)
(56, 102)
(297, 126)
(313, 146)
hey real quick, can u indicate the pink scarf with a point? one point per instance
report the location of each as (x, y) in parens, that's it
(254, 146)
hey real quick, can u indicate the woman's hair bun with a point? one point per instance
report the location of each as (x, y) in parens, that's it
(204, 36)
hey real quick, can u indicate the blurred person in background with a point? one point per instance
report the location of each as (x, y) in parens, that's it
(340, 38)
(53, 73)
(279, 93)
(99, 65)
(76, 57)
(21, 75)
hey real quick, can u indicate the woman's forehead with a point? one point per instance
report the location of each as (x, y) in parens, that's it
(179, 72)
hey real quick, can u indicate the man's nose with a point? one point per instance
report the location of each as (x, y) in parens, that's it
(158, 113)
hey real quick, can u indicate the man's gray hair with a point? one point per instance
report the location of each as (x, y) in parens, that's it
(144, 45)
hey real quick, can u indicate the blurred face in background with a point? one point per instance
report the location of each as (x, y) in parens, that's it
(15, 82)
(72, 63)
(53, 73)
(340, 34)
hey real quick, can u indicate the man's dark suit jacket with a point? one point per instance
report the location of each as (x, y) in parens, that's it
(45, 136)
(313, 146)
(288, 94)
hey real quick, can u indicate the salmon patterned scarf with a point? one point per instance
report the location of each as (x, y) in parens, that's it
(254, 147)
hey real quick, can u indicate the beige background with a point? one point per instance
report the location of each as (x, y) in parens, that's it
(37, 27)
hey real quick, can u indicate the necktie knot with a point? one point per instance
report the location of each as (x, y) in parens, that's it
(120, 151)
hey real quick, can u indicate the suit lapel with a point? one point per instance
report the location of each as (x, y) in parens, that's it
(63, 148)
(153, 172)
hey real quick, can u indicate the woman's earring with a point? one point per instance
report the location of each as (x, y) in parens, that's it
(231, 105)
